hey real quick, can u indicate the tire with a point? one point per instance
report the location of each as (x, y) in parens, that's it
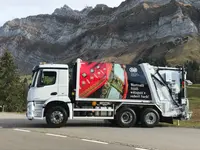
(56, 117)
(150, 118)
(126, 118)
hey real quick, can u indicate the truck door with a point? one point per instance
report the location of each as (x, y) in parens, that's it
(46, 86)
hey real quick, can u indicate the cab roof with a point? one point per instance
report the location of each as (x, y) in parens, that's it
(50, 66)
(53, 66)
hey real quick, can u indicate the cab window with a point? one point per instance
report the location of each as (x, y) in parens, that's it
(47, 78)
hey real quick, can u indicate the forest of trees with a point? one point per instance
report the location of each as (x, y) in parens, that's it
(13, 90)
(193, 71)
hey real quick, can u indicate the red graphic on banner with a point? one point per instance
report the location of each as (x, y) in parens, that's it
(125, 85)
(94, 75)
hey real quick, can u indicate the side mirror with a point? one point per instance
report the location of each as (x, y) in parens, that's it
(40, 84)
(29, 86)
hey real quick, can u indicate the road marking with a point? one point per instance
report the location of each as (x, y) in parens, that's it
(56, 135)
(21, 130)
(94, 141)
(140, 149)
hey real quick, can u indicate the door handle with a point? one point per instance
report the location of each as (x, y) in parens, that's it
(54, 93)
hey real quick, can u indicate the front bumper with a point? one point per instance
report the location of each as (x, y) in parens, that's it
(188, 115)
(34, 111)
(30, 110)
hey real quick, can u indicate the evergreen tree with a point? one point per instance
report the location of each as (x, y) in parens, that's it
(192, 68)
(153, 61)
(10, 86)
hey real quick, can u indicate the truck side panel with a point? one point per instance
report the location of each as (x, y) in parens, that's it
(111, 82)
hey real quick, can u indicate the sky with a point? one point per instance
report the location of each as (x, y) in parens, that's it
(11, 9)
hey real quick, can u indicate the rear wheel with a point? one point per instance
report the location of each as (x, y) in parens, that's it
(126, 117)
(56, 116)
(150, 117)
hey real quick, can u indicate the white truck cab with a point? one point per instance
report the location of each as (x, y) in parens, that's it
(143, 93)
(50, 82)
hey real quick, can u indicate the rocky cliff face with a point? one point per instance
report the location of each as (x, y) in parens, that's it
(135, 29)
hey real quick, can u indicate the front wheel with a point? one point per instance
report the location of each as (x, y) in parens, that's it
(56, 116)
(126, 117)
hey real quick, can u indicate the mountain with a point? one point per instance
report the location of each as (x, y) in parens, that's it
(135, 29)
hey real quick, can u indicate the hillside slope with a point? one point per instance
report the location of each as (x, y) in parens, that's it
(135, 29)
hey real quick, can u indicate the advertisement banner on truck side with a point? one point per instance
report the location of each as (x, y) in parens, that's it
(112, 81)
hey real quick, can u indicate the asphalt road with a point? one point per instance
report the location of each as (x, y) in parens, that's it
(19, 140)
(19, 133)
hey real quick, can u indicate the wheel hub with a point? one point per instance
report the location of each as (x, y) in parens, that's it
(126, 117)
(150, 118)
(57, 117)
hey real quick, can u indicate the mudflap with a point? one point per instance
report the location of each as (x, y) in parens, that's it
(167, 120)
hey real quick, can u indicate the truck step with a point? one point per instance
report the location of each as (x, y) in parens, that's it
(89, 109)
(89, 118)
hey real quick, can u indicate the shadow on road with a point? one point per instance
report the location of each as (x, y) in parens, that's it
(23, 123)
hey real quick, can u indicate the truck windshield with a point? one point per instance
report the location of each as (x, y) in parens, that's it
(33, 78)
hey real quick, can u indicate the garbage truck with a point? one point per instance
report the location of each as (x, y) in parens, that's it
(122, 94)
